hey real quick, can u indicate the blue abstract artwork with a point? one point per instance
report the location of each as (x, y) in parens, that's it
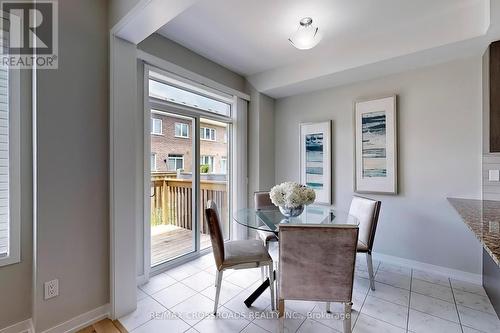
(314, 160)
(374, 144)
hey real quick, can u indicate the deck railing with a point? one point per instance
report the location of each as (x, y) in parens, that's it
(172, 198)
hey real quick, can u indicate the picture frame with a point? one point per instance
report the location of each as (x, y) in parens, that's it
(316, 159)
(376, 146)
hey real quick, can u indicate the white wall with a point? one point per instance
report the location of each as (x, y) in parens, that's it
(439, 110)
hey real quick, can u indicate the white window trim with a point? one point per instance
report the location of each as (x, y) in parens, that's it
(211, 129)
(14, 255)
(181, 136)
(154, 166)
(153, 127)
(223, 161)
(208, 157)
(176, 158)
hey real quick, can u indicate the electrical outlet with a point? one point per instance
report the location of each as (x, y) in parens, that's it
(51, 289)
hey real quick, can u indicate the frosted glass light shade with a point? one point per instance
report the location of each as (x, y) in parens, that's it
(307, 36)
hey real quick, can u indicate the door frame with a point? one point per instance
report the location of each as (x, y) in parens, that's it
(135, 24)
(196, 114)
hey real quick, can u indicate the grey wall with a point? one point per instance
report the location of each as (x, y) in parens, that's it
(439, 110)
(168, 50)
(253, 145)
(118, 9)
(266, 140)
(16, 279)
(73, 214)
(260, 143)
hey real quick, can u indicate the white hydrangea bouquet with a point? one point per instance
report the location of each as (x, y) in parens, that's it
(291, 198)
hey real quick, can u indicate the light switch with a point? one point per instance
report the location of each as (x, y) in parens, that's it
(494, 176)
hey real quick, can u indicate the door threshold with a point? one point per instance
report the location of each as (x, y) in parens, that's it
(162, 268)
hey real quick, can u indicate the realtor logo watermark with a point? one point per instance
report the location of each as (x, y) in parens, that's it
(29, 34)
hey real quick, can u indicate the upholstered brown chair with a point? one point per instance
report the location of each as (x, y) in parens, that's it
(366, 211)
(242, 254)
(317, 264)
(262, 200)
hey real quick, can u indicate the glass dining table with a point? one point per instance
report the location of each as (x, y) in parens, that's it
(270, 218)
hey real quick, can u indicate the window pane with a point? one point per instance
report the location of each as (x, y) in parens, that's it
(180, 163)
(223, 165)
(156, 125)
(172, 207)
(171, 164)
(181, 130)
(180, 96)
(207, 133)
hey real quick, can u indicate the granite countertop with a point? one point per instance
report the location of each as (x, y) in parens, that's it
(483, 218)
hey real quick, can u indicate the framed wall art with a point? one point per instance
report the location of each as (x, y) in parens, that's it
(375, 146)
(316, 159)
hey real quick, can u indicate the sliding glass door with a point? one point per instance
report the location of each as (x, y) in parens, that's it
(173, 159)
(189, 154)
(214, 172)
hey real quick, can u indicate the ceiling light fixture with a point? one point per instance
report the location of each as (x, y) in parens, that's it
(306, 37)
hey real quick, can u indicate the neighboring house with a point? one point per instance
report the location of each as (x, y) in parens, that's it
(172, 145)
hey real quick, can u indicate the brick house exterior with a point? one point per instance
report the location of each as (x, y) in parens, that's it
(167, 147)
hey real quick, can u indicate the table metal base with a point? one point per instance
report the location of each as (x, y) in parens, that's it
(256, 294)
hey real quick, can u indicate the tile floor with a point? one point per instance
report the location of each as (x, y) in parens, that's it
(405, 300)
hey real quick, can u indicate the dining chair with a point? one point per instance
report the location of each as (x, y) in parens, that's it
(317, 264)
(239, 254)
(366, 211)
(263, 200)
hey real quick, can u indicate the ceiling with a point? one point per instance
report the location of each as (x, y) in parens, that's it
(250, 37)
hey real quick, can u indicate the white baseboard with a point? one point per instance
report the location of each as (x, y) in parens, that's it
(449, 272)
(81, 321)
(25, 326)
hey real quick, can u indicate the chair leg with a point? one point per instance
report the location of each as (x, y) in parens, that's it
(217, 291)
(263, 269)
(281, 307)
(271, 285)
(347, 317)
(277, 279)
(328, 310)
(369, 263)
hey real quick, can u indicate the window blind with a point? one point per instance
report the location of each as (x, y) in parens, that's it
(4, 152)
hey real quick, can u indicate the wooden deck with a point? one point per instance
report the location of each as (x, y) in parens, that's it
(168, 242)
